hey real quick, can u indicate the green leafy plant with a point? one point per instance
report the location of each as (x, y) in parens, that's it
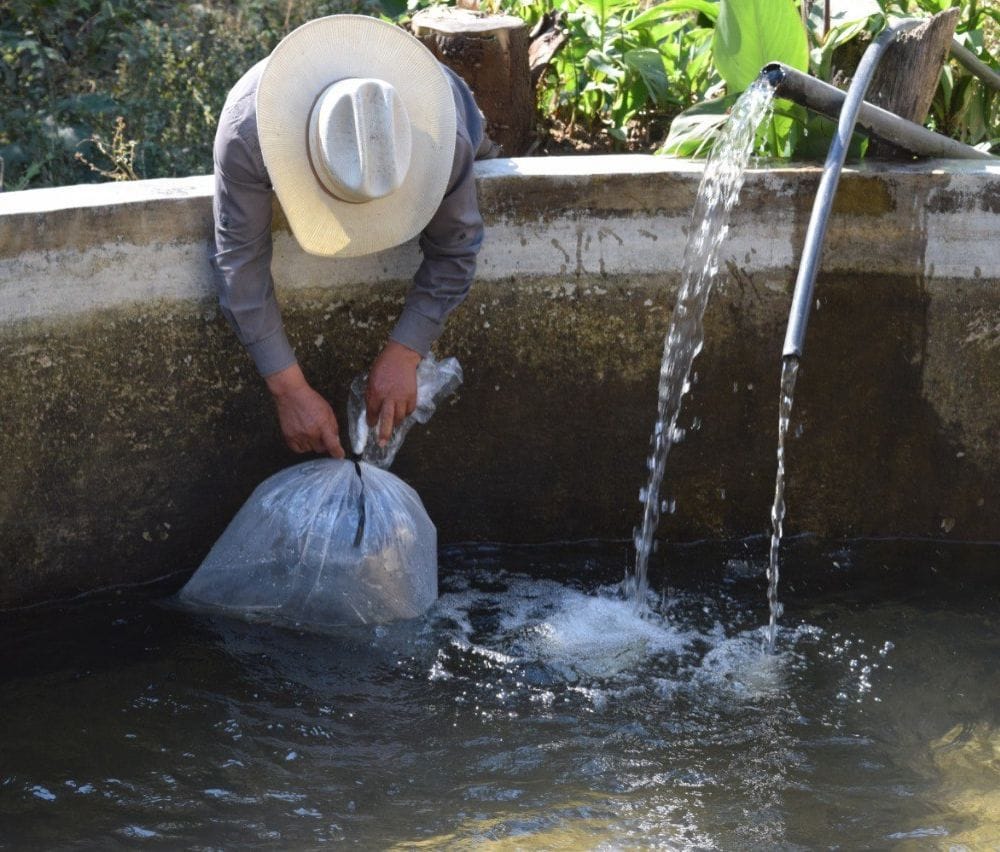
(628, 72)
(748, 34)
(69, 69)
(624, 70)
(748, 30)
(751, 33)
(831, 24)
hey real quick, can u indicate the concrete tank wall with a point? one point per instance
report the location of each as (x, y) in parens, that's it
(134, 425)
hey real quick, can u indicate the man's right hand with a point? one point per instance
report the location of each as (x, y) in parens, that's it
(307, 420)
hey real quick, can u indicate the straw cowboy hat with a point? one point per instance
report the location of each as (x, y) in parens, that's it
(357, 128)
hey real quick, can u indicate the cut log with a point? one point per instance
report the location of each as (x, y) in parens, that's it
(908, 75)
(489, 52)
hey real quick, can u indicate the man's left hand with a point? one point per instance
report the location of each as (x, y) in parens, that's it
(392, 388)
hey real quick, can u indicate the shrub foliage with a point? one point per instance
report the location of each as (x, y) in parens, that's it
(71, 68)
(98, 89)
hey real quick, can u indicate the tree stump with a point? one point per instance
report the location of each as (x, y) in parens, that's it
(908, 74)
(489, 52)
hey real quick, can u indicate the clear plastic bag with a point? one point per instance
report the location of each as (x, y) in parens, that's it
(323, 544)
(436, 380)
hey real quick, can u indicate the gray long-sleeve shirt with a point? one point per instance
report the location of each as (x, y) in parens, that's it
(242, 209)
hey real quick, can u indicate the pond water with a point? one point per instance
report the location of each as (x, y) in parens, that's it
(531, 709)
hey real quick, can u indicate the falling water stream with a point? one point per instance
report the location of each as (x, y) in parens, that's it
(789, 370)
(717, 195)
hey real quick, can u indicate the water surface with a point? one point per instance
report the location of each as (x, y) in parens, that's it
(532, 708)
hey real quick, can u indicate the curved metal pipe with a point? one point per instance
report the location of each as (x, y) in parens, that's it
(828, 100)
(798, 316)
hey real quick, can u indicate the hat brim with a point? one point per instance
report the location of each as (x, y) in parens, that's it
(303, 64)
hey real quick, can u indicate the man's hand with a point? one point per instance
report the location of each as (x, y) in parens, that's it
(392, 388)
(307, 421)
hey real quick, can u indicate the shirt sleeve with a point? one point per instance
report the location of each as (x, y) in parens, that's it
(449, 243)
(242, 210)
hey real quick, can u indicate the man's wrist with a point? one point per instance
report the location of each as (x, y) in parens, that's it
(415, 331)
(394, 347)
(286, 382)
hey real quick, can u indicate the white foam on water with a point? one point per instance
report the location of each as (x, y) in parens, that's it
(572, 633)
(741, 667)
(599, 637)
(599, 645)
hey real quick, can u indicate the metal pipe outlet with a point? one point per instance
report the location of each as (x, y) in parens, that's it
(829, 101)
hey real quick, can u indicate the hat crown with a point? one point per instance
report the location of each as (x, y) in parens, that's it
(293, 80)
(360, 140)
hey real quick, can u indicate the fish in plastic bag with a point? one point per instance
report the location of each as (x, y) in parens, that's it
(325, 543)
(436, 380)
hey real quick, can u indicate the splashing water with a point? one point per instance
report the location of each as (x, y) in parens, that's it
(789, 370)
(717, 195)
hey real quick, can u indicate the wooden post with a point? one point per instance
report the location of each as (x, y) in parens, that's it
(908, 75)
(489, 52)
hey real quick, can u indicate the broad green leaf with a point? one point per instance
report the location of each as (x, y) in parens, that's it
(657, 13)
(751, 33)
(603, 66)
(652, 16)
(842, 13)
(815, 135)
(600, 86)
(662, 26)
(776, 137)
(848, 18)
(661, 32)
(694, 130)
(708, 8)
(604, 8)
(822, 57)
(598, 7)
(648, 64)
(671, 53)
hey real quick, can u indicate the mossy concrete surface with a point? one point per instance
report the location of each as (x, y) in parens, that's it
(134, 425)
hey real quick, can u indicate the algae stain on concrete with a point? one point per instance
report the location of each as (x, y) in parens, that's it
(864, 197)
